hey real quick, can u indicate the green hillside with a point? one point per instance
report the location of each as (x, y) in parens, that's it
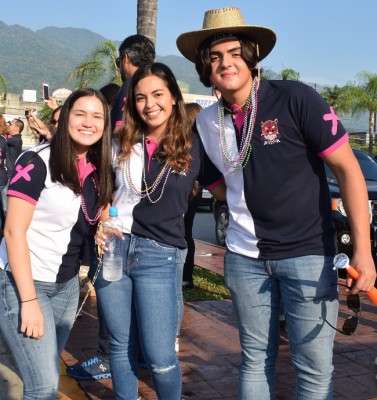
(28, 58)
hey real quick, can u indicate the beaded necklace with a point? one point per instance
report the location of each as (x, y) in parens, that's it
(242, 158)
(89, 220)
(162, 176)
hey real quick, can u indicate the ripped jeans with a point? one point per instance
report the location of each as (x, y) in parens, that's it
(143, 305)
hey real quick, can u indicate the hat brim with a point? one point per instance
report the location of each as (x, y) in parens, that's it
(188, 43)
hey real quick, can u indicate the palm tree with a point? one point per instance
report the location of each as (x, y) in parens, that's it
(97, 65)
(360, 97)
(288, 74)
(147, 19)
(332, 96)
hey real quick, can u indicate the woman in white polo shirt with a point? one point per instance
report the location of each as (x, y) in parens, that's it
(55, 194)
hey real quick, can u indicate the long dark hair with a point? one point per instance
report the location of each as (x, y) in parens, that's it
(63, 158)
(176, 142)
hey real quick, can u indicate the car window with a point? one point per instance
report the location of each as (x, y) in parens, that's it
(367, 164)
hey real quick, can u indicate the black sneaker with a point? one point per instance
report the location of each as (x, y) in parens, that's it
(94, 368)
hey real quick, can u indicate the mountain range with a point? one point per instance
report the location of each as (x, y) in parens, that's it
(28, 58)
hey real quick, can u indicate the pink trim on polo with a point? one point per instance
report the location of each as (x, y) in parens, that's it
(151, 146)
(84, 169)
(238, 116)
(22, 196)
(334, 147)
(215, 184)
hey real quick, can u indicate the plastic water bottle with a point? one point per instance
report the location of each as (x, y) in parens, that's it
(112, 263)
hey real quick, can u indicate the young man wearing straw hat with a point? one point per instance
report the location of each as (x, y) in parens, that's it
(268, 141)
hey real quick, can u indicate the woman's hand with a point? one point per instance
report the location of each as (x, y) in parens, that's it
(104, 235)
(51, 103)
(32, 321)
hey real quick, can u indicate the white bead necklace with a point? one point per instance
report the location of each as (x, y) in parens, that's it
(162, 176)
(240, 161)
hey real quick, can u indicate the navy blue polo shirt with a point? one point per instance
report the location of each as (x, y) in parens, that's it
(279, 203)
(159, 217)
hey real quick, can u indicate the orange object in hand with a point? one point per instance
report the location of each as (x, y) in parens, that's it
(341, 261)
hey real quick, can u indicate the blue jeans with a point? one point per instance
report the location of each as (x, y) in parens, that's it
(307, 288)
(103, 350)
(38, 360)
(181, 257)
(143, 305)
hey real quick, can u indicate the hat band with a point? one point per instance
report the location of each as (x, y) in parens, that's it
(221, 37)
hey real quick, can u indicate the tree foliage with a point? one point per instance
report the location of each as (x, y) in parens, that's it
(332, 96)
(360, 97)
(289, 74)
(99, 63)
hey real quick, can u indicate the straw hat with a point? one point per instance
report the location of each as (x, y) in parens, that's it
(222, 21)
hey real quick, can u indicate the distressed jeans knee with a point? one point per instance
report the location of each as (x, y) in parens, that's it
(162, 370)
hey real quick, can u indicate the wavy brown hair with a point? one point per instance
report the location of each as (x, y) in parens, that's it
(176, 142)
(3, 125)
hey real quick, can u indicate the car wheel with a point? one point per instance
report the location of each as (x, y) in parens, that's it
(222, 221)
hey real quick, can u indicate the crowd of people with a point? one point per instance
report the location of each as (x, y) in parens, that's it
(141, 149)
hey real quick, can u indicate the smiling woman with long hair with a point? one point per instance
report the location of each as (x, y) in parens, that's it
(55, 194)
(155, 163)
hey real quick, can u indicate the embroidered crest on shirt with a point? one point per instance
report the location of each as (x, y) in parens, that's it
(270, 131)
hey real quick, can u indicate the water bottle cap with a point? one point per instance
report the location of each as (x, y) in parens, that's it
(113, 212)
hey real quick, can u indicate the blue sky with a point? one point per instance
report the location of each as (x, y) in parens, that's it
(326, 41)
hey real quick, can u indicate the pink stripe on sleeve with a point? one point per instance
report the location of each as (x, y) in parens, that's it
(22, 196)
(335, 146)
(213, 185)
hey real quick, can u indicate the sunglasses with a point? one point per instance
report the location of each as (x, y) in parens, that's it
(118, 60)
(351, 322)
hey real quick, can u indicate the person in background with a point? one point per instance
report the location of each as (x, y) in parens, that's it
(110, 91)
(14, 142)
(52, 103)
(192, 109)
(134, 52)
(3, 170)
(54, 197)
(269, 140)
(42, 132)
(54, 120)
(156, 162)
